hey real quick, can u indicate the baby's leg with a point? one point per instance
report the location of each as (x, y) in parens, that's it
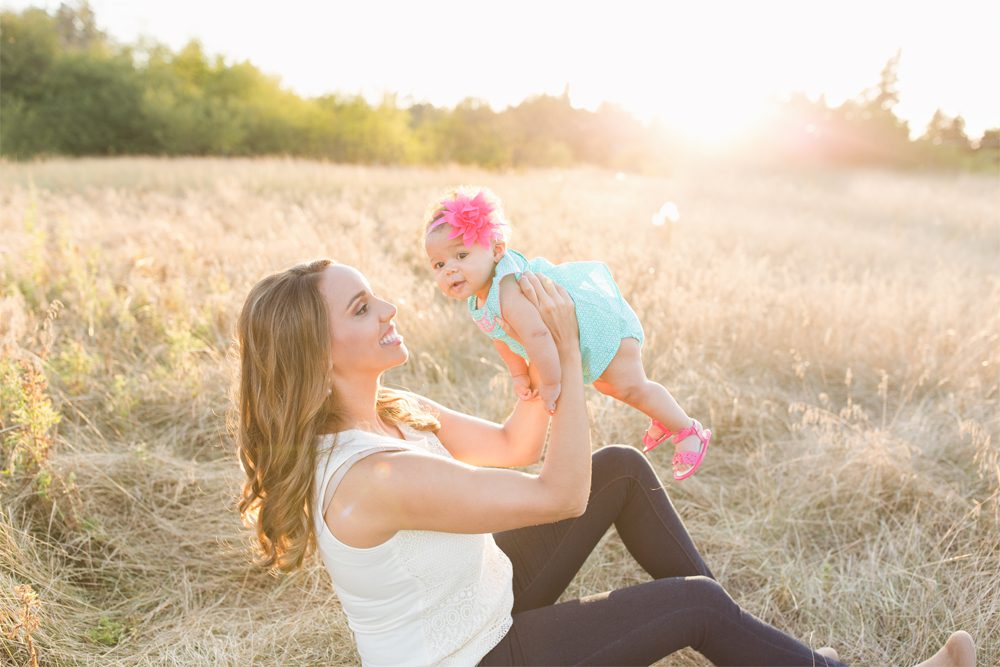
(625, 379)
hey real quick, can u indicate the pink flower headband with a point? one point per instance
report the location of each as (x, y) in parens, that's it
(472, 219)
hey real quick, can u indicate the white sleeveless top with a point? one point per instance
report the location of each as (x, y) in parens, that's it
(420, 597)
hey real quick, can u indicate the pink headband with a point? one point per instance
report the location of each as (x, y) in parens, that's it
(472, 219)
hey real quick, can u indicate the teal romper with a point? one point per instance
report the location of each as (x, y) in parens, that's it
(604, 317)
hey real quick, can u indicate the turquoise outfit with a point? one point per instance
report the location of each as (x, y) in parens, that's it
(604, 317)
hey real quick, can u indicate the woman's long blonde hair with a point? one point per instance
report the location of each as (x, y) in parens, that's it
(283, 405)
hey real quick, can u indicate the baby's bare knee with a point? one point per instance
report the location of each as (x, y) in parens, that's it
(627, 391)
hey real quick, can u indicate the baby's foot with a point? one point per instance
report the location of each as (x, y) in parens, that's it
(653, 437)
(688, 453)
(689, 444)
(654, 431)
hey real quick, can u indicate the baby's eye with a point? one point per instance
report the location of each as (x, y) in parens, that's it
(362, 310)
(463, 255)
(438, 265)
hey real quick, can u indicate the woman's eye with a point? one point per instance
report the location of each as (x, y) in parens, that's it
(362, 310)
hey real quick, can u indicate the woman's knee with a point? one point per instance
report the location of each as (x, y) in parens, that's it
(621, 460)
(700, 596)
(711, 594)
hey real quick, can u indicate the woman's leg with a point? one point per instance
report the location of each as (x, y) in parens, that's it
(642, 624)
(625, 492)
(636, 625)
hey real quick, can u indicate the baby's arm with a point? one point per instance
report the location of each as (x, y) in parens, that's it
(527, 323)
(518, 368)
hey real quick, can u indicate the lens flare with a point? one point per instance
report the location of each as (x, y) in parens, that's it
(667, 213)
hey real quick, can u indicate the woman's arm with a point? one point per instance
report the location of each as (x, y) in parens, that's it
(567, 462)
(409, 490)
(516, 442)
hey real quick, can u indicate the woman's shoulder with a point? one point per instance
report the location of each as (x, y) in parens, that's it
(342, 444)
(352, 440)
(426, 441)
(350, 436)
(339, 452)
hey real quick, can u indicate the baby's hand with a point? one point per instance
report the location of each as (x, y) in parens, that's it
(550, 393)
(522, 387)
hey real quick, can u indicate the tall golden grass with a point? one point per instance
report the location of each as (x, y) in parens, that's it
(838, 329)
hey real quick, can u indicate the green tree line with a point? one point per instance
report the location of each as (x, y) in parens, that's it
(66, 88)
(866, 130)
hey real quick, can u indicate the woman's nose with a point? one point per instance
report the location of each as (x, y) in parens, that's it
(390, 311)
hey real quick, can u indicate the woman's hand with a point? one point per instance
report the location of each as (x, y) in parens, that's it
(555, 306)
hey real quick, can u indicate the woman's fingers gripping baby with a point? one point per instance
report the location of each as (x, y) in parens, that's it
(554, 304)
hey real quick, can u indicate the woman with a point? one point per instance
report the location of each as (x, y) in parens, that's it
(438, 552)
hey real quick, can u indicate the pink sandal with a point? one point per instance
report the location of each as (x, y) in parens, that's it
(692, 459)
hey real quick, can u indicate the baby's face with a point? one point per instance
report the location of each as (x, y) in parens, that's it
(460, 271)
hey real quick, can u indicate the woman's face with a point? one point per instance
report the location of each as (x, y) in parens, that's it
(363, 336)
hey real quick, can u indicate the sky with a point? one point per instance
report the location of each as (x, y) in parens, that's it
(708, 68)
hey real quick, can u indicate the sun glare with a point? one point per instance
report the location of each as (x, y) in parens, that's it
(713, 124)
(707, 91)
(710, 118)
(712, 81)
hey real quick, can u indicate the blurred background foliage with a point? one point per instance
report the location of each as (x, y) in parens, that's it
(67, 88)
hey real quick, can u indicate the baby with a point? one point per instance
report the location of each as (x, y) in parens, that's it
(466, 243)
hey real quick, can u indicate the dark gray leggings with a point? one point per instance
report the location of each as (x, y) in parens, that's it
(682, 606)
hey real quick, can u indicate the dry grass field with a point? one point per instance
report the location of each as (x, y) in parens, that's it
(839, 331)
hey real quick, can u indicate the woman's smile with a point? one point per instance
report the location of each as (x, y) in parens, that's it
(391, 338)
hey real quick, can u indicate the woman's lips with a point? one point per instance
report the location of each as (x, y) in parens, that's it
(391, 339)
(395, 340)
